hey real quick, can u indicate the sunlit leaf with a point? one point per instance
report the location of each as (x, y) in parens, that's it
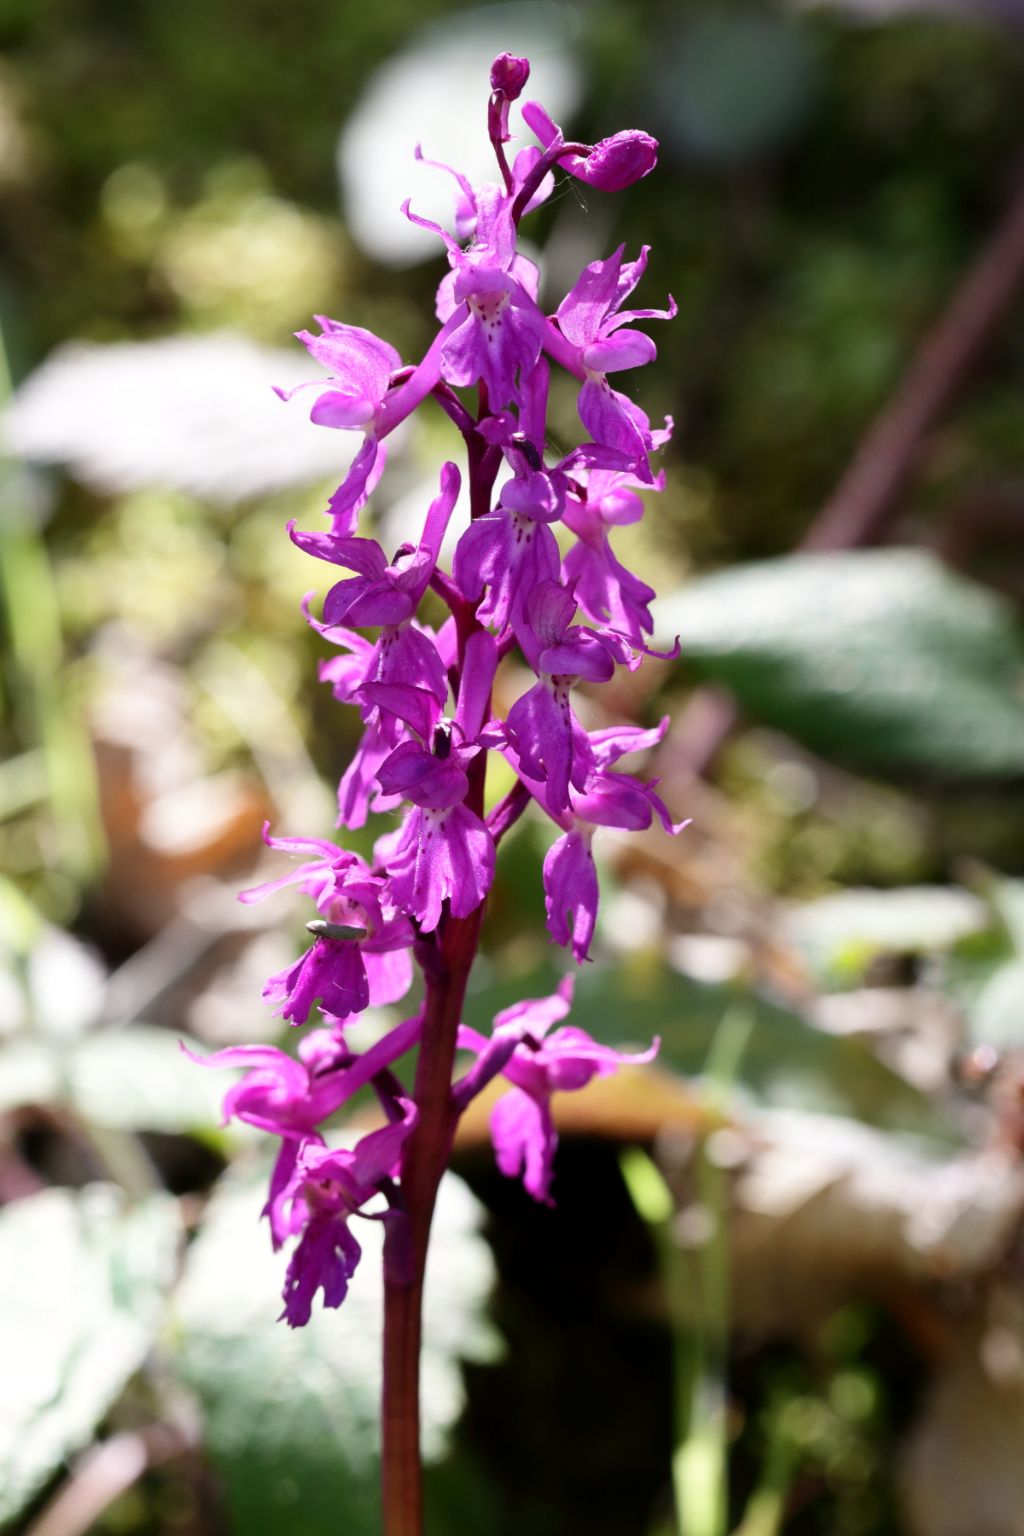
(82, 1287)
(882, 658)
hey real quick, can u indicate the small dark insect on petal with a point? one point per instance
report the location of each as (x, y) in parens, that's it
(527, 449)
(442, 742)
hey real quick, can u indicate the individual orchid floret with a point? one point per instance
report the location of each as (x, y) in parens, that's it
(512, 549)
(388, 596)
(538, 1064)
(443, 851)
(607, 592)
(609, 799)
(359, 953)
(328, 1186)
(380, 593)
(488, 302)
(291, 1099)
(590, 340)
(360, 367)
(408, 654)
(550, 742)
(571, 891)
(610, 165)
(367, 390)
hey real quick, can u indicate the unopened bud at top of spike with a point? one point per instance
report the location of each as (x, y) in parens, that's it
(509, 75)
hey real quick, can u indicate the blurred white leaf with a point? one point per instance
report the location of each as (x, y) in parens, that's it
(844, 930)
(66, 982)
(138, 1078)
(83, 1282)
(132, 1079)
(997, 1017)
(30, 1075)
(196, 413)
(435, 93)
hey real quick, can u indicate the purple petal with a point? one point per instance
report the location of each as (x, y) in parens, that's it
(535, 1015)
(540, 724)
(524, 1142)
(621, 350)
(618, 740)
(389, 975)
(325, 1260)
(481, 662)
(429, 782)
(331, 972)
(582, 312)
(438, 856)
(612, 418)
(358, 485)
(416, 706)
(571, 893)
(356, 358)
(334, 409)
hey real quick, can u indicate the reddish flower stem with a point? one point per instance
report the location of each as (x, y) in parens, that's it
(429, 1144)
(425, 1159)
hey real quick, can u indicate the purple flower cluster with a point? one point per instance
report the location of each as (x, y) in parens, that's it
(561, 599)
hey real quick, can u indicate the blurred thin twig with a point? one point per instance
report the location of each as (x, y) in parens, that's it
(104, 1474)
(868, 495)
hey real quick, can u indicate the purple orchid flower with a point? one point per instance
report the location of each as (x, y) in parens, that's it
(388, 596)
(488, 302)
(590, 340)
(327, 1187)
(290, 1098)
(549, 741)
(510, 550)
(420, 896)
(368, 390)
(538, 1064)
(359, 954)
(380, 593)
(443, 851)
(607, 592)
(360, 368)
(410, 654)
(571, 891)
